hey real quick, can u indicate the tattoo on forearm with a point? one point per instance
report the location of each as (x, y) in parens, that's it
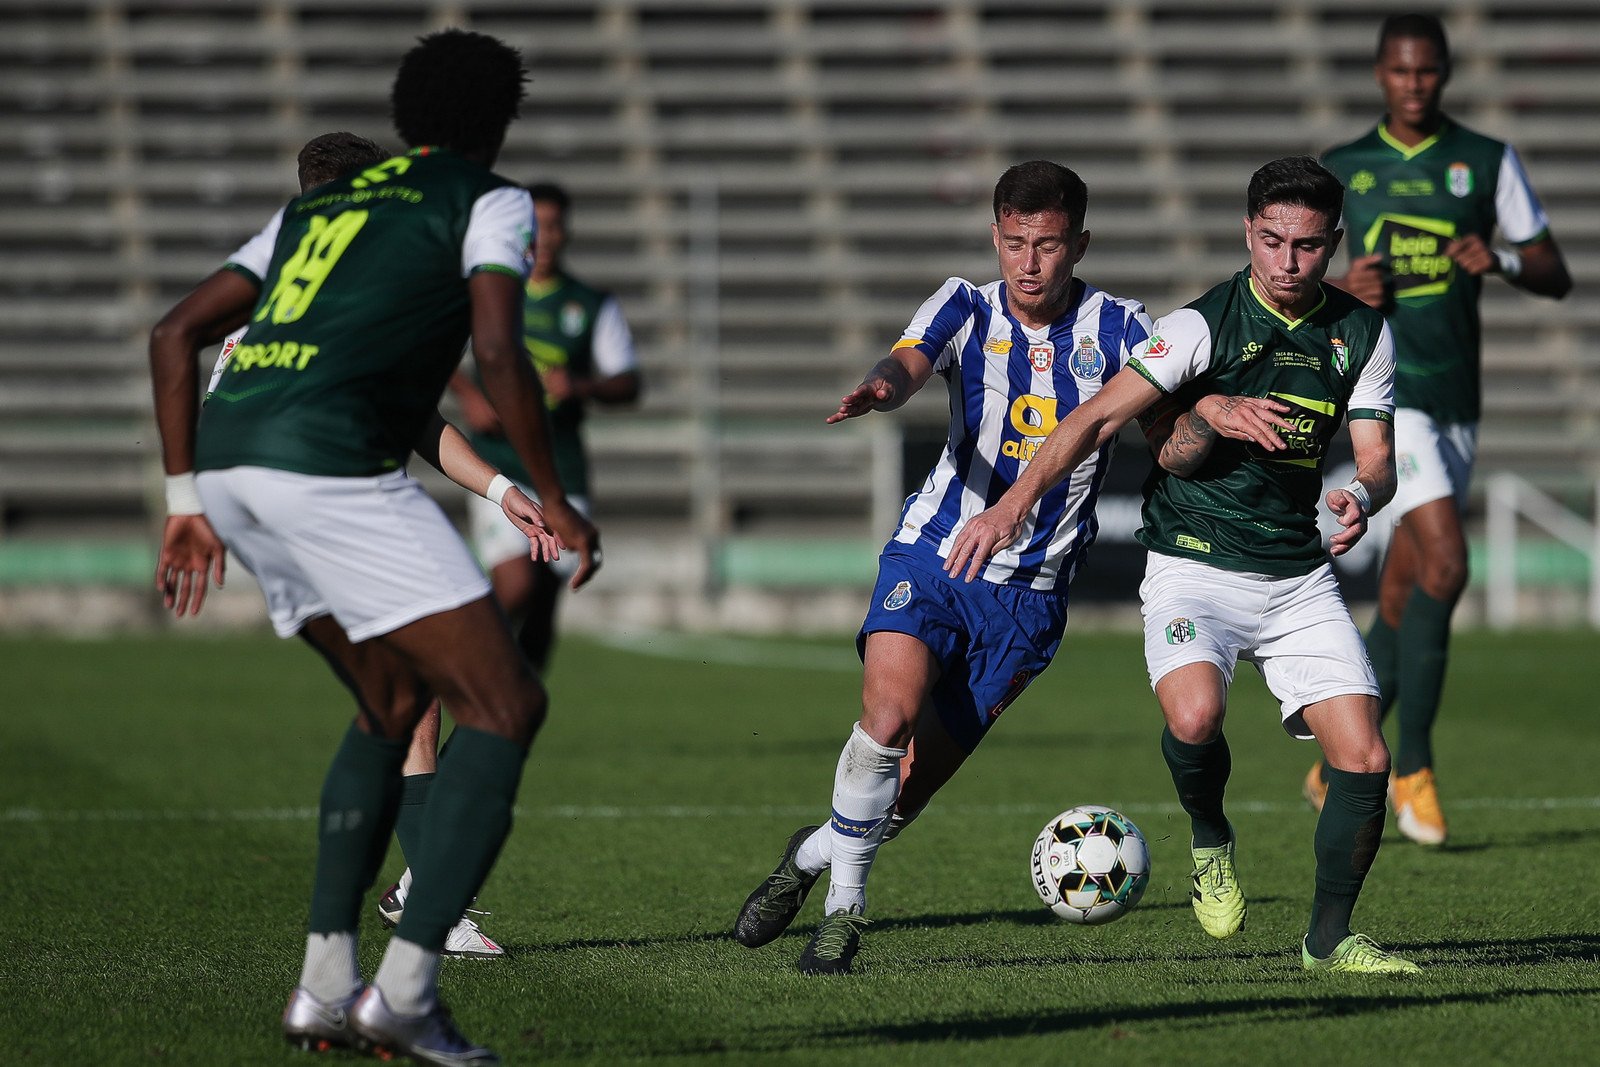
(1190, 443)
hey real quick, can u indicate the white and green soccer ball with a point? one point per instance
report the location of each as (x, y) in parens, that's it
(1090, 865)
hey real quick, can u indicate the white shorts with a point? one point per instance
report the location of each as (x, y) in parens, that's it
(1297, 631)
(1432, 461)
(496, 541)
(376, 553)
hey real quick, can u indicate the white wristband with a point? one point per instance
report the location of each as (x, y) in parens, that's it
(497, 489)
(182, 496)
(1510, 263)
(1363, 498)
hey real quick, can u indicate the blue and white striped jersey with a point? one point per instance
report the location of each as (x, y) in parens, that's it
(1009, 386)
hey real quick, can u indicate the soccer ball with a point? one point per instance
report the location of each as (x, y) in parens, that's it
(1090, 865)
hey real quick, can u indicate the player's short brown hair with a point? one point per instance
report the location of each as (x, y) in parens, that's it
(333, 155)
(1040, 185)
(1298, 180)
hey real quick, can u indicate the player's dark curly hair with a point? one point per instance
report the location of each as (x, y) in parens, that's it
(458, 90)
(333, 155)
(1040, 185)
(1298, 180)
(1423, 27)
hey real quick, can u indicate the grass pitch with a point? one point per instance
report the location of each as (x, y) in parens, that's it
(157, 841)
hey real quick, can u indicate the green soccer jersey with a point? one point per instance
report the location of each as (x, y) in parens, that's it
(362, 317)
(1246, 509)
(567, 324)
(1407, 204)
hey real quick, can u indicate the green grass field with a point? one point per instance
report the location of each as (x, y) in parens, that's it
(157, 845)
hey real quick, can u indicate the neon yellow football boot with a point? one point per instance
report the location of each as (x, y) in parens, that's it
(1358, 954)
(1218, 901)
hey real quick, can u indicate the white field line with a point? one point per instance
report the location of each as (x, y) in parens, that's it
(26, 815)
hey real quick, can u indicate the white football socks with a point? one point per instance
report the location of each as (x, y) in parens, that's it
(865, 786)
(330, 973)
(408, 978)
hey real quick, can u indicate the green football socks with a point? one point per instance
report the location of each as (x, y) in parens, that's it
(1349, 831)
(464, 823)
(1425, 639)
(1200, 773)
(359, 798)
(414, 792)
(1383, 649)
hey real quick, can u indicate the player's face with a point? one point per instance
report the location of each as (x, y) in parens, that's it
(1290, 249)
(1037, 254)
(552, 238)
(1412, 73)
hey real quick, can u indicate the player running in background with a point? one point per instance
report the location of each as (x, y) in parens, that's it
(941, 660)
(372, 287)
(1424, 197)
(580, 345)
(1236, 567)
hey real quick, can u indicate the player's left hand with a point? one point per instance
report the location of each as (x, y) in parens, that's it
(1347, 511)
(191, 552)
(525, 515)
(982, 536)
(1471, 254)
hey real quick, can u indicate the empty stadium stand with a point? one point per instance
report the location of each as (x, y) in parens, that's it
(770, 185)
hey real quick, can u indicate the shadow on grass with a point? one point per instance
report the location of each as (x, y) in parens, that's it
(1501, 952)
(1207, 1013)
(932, 921)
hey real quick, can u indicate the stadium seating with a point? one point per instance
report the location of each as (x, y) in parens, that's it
(770, 185)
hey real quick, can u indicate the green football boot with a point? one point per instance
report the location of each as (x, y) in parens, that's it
(1357, 954)
(1218, 901)
(832, 949)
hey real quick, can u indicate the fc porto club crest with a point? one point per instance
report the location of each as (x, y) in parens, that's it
(898, 597)
(1042, 355)
(1459, 180)
(1087, 362)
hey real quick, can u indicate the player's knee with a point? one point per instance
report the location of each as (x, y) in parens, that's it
(1194, 722)
(888, 722)
(1445, 576)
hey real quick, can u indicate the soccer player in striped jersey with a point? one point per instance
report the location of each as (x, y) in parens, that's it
(1237, 569)
(1425, 196)
(942, 660)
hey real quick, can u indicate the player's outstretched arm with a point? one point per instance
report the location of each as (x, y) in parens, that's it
(1373, 487)
(513, 390)
(1087, 428)
(191, 553)
(890, 383)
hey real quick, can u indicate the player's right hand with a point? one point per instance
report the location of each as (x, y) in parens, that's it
(1246, 418)
(577, 534)
(191, 552)
(982, 536)
(862, 399)
(1368, 281)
